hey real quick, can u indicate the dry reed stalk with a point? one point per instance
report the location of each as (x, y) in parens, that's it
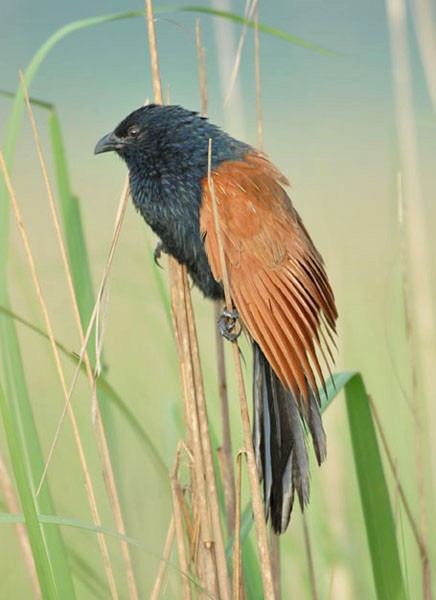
(211, 549)
(420, 541)
(250, 8)
(259, 118)
(225, 454)
(157, 88)
(178, 525)
(220, 553)
(256, 496)
(425, 14)
(76, 434)
(169, 541)
(237, 558)
(13, 507)
(195, 542)
(104, 455)
(201, 68)
(332, 582)
(413, 354)
(227, 481)
(309, 556)
(274, 541)
(420, 296)
(179, 289)
(83, 350)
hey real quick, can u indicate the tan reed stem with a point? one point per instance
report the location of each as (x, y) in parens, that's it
(179, 289)
(256, 497)
(220, 554)
(237, 558)
(420, 541)
(274, 540)
(169, 541)
(178, 525)
(259, 117)
(414, 356)
(309, 555)
(225, 455)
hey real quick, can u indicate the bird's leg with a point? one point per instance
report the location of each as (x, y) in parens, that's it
(227, 322)
(160, 247)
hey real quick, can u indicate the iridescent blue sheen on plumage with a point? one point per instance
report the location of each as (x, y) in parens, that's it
(166, 176)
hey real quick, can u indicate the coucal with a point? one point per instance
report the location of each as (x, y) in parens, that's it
(278, 283)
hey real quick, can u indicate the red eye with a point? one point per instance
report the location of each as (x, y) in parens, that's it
(133, 131)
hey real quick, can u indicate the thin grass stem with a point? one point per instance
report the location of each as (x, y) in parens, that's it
(225, 456)
(275, 563)
(309, 555)
(105, 459)
(237, 558)
(259, 117)
(12, 504)
(419, 300)
(178, 526)
(420, 540)
(249, 11)
(85, 470)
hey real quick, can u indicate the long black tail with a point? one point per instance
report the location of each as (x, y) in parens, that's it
(279, 442)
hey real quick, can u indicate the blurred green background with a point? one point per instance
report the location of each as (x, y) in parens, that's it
(329, 123)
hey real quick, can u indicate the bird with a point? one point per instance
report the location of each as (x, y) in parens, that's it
(179, 164)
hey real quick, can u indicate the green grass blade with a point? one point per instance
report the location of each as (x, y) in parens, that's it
(96, 586)
(334, 385)
(162, 288)
(374, 494)
(93, 528)
(111, 395)
(22, 423)
(28, 502)
(372, 484)
(33, 101)
(278, 33)
(73, 231)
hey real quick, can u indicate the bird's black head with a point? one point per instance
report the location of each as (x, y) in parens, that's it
(169, 139)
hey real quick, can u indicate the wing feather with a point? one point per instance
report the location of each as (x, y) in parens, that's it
(277, 278)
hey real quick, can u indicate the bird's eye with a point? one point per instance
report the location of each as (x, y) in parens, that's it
(133, 131)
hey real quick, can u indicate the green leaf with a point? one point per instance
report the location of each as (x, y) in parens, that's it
(73, 231)
(44, 567)
(93, 528)
(110, 394)
(278, 33)
(374, 494)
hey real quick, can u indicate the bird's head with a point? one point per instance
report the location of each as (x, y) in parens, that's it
(169, 139)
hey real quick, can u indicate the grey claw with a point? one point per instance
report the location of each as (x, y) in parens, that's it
(227, 322)
(158, 253)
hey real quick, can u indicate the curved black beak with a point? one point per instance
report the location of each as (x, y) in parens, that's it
(107, 143)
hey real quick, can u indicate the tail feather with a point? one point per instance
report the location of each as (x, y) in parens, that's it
(316, 429)
(279, 442)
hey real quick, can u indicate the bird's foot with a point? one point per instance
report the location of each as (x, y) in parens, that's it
(160, 247)
(226, 324)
